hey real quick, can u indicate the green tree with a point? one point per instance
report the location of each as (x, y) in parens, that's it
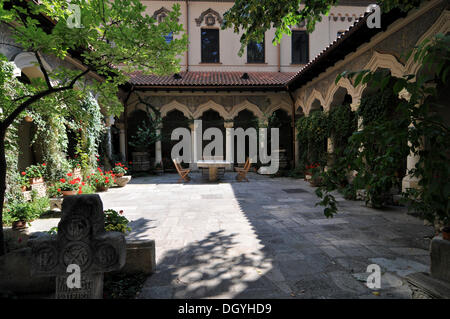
(254, 17)
(114, 38)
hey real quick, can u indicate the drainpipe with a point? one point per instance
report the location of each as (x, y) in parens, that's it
(126, 121)
(293, 125)
(187, 32)
(279, 56)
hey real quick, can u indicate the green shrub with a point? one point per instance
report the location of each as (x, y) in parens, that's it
(114, 221)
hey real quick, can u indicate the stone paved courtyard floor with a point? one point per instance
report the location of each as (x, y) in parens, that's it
(266, 239)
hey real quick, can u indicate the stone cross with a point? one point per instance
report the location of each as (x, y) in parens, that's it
(83, 241)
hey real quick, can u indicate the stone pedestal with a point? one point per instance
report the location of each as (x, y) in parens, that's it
(435, 285)
(91, 287)
(440, 259)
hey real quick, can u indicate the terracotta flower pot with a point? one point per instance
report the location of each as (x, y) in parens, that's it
(23, 188)
(28, 118)
(68, 193)
(20, 224)
(102, 189)
(36, 180)
(119, 175)
(446, 233)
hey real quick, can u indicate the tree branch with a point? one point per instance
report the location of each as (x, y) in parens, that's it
(14, 114)
(44, 71)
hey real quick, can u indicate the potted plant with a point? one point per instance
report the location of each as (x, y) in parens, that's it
(312, 174)
(69, 186)
(114, 221)
(28, 118)
(119, 170)
(21, 213)
(24, 181)
(101, 181)
(34, 173)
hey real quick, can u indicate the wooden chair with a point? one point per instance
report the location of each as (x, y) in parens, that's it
(242, 172)
(184, 173)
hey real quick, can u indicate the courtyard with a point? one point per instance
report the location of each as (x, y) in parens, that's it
(266, 239)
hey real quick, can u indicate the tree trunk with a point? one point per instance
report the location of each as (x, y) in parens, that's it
(2, 187)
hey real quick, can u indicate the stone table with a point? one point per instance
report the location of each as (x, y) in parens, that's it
(213, 166)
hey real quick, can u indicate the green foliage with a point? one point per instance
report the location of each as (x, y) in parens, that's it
(25, 211)
(312, 136)
(252, 18)
(34, 171)
(123, 286)
(114, 221)
(394, 128)
(342, 122)
(100, 179)
(120, 168)
(146, 133)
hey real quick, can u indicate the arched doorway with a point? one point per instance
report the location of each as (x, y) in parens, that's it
(174, 119)
(245, 119)
(280, 119)
(209, 119)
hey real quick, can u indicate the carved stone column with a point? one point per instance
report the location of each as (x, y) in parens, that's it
(158, 147)
(122, 140)
(229, 147)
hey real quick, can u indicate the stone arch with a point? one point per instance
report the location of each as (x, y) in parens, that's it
(343, 83)
(211, 105)
(281, 105)
(28, 64)
(442, 25)
(175, 105)
(315, 95)
(386, 61)
(246, 105)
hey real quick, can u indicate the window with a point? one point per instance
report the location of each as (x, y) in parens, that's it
(168, 37)
(210, 45)
(256, 52)
(300, 47)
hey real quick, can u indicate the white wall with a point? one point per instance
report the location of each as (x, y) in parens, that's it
(324, 33)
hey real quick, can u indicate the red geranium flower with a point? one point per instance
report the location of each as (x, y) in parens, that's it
(43, 164)
(23, 173)
(62, 180)
(69, 174)
(59, 189)
(80, 192)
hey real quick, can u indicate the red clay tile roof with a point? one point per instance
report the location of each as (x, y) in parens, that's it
(200, 78)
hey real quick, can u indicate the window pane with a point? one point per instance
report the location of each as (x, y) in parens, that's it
(300, 47)
(210, 45)
(256, 52)
(168, 37)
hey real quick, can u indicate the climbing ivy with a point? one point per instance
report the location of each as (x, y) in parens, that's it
(393, 128)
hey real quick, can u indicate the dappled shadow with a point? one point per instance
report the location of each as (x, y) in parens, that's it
(209, 268)
(139, 229)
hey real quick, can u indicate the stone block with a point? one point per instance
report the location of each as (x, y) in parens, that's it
(440, 258)
(423, 286)
(15, 274)
(140, 257)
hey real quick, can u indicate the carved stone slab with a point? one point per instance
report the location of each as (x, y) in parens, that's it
(82, 241)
